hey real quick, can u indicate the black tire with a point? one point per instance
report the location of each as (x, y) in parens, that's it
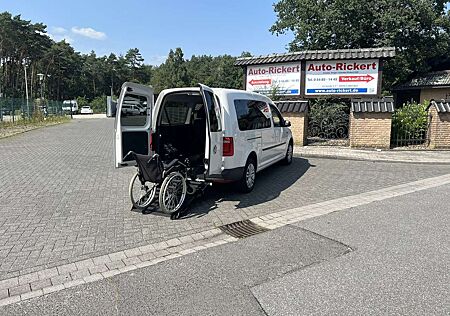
(146, 193)
(289, 154)
(247, 182)
(173, 193)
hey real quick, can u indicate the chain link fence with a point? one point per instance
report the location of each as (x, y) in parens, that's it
(14, 109)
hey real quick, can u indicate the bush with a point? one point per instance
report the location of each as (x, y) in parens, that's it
(411, 120)
(98, 105)
(82, 101)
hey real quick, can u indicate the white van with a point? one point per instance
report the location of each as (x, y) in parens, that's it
(70, 105)
(228, 135)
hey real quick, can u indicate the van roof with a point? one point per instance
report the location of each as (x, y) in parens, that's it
(216, 90)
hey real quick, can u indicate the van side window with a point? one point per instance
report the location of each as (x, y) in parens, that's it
(276, 116)
(252, 114)
(212, 109)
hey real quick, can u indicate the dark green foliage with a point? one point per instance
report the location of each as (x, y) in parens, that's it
(410, 121)
(213, 71)
(419, 29)
(98, 105)
(322, 108)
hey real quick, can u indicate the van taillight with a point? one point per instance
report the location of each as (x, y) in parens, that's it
(228, 146)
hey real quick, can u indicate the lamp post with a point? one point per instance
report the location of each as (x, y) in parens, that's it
(41, 81)
(26, 88)
(41, 78)
(112, 80)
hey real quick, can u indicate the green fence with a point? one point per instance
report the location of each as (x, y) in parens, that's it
(13, 109)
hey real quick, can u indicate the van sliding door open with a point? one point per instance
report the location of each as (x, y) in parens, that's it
(133, 122)
(213, 147)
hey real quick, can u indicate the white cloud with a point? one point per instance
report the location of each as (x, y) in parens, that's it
(89, 32)
(58, 30)
(60, 37)
(59, 34)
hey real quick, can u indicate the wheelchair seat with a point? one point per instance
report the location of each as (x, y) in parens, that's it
(170, 164)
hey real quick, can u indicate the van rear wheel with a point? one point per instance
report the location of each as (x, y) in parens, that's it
(247, 182)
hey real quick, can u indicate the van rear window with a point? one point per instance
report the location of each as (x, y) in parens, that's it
(251, 114)
(174, 114)
(134, 110)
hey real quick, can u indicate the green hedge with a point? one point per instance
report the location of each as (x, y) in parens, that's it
(411, 120)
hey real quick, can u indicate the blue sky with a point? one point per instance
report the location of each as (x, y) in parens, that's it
(199, 27)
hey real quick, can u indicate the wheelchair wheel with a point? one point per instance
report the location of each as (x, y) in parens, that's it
(141, 194)
(173, 193)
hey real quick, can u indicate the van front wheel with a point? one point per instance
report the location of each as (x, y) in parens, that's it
(289, 154)
(247, 181)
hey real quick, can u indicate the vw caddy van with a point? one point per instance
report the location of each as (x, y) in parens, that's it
(227, 135)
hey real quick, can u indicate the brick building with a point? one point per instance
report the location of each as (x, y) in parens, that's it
(370, 122)
(439, 129)
(431, 86)
(297, 113)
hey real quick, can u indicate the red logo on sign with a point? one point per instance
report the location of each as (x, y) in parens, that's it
(255, 82)
(363, 78)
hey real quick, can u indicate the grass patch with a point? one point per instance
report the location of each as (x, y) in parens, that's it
(8, 129)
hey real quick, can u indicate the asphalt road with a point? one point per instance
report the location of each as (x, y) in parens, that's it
(400, 265)
(212, 282)
(387, 258)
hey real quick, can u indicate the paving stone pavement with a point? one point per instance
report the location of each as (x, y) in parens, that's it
(61, 200)
(397, 155)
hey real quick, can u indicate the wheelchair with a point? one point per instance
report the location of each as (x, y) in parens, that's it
(167, 183)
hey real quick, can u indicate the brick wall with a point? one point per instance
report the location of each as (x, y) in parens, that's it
(299, 125)
(439, 130)
(370, 130)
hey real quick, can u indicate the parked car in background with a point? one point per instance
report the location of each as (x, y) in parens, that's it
(69, 105)
(86, 110)
(5, 112)
(131, 109)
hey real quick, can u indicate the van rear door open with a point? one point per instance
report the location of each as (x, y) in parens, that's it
(133, 128)
(214, 146)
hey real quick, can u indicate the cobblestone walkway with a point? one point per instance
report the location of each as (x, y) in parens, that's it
(62, 201)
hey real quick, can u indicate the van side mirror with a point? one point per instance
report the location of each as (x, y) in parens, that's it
(287, 124)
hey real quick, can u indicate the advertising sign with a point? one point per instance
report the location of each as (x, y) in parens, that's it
(284, 78)
(342, 77)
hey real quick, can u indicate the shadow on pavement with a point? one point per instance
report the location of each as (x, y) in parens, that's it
(269, 185)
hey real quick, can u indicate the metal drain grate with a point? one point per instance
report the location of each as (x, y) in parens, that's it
(242, 229)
